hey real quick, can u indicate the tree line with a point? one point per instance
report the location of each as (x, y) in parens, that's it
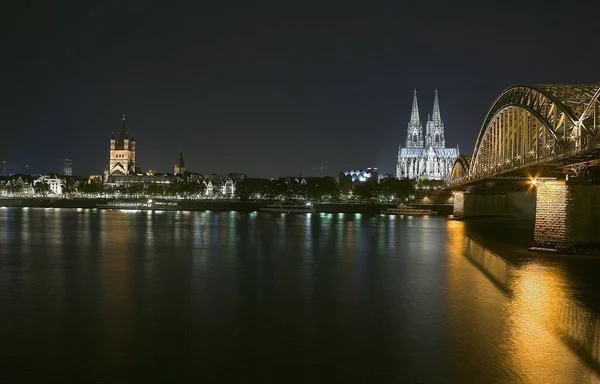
(316, 189)
(323, 189)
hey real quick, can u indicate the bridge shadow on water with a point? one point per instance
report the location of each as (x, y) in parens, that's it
(543, 289)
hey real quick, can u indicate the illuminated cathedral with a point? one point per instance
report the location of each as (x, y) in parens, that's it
(425, 157)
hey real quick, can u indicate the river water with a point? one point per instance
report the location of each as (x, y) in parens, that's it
(109, 296)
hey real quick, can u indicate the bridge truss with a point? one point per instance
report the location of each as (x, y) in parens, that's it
(534, 125)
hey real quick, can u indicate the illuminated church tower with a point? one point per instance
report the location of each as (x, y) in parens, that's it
(435, 126)
(414, 134)
(179, 168)
(122, 153)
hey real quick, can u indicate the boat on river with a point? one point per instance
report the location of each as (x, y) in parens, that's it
(289, 208)
(408, 211)
(150, 204)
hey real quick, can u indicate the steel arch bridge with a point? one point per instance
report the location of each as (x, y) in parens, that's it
(535, 126)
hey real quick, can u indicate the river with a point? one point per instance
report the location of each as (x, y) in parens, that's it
(119, 296)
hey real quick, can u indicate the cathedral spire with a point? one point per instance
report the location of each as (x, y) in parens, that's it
(414, 114)
(414, 133)
(437, 116)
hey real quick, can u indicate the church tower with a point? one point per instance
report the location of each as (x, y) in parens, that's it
(122, 153)
(179, 168)
(435, 126)
(414, 133)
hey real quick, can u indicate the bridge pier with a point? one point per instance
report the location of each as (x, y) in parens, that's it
(567, 217)
(519, 204)
(458, 212)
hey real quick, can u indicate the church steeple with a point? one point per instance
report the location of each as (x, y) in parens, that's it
(435, 126)
(437, 116)
(123, 135)
(414, 133)
(179, 168)
(414, 113)
(122, 152)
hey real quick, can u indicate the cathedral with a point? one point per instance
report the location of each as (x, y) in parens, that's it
(425, 157)
(122, 153)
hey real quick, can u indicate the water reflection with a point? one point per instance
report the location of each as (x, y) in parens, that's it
(252, 297)
(543, 320)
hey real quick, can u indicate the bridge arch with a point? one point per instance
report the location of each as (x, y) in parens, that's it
(460, 168)
(534, 124)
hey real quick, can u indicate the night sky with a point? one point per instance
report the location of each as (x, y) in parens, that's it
(268, 90)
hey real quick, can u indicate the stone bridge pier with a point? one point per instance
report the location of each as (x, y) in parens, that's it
(567, 215)
(519, 204)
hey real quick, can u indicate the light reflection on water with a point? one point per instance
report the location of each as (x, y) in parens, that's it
(245, 296)
(541, 311)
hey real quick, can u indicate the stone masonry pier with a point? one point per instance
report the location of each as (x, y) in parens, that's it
(567, 215)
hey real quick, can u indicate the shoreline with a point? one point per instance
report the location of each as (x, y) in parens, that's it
(212, 205)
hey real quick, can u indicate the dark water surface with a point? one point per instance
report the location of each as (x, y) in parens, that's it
(108, 296)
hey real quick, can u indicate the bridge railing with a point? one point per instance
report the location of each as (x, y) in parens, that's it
(514, 165)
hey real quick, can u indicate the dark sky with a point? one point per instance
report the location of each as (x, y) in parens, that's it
(269, 89)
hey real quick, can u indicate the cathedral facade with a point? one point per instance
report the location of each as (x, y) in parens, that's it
(122, 153)
(425, 156)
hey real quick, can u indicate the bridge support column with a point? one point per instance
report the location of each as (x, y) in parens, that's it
(567, 217)
(518, 204)
(459, 206)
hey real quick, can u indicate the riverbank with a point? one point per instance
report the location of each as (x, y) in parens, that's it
(215, 205)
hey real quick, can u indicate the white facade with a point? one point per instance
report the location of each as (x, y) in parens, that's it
(427, 157)
(221, 188)
(56, 184)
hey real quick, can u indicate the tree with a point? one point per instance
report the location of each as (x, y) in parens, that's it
(135, 189)
(253, 188)
(93, 186)
(41, 187)
(195, 187)
(13, 187)
(68, 186)
(155, 189)
(366, 191)
(394, 189)
(322, 188)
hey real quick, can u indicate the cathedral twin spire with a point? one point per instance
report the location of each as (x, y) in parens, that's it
(414, 133)
(414, 114)
(437, 116)
(434, 135)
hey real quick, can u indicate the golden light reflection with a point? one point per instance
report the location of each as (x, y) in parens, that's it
(544, 321)
(532, 320)
(456, 234)
(116, 244)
